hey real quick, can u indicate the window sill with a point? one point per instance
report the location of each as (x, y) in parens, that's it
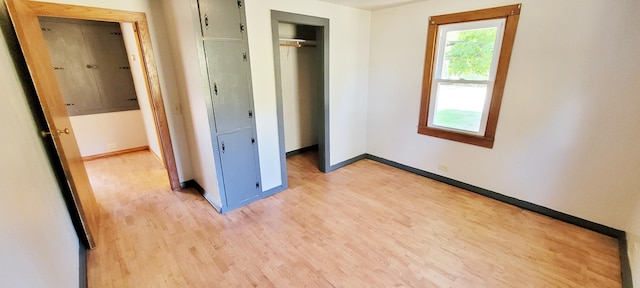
(482, 141)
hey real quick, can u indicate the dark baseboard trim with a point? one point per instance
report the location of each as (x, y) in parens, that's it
(272, 191)
(602, 229)
(83, 267)
(192, 184)
(346, 162)
(625, 265)
(301, 150)
(196, 186)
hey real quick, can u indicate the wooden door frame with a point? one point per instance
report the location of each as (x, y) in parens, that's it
(140, 25)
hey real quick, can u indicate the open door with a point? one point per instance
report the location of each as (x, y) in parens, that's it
(24, 15)
(27, 27)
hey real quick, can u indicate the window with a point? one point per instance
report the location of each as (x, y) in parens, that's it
(465, 71)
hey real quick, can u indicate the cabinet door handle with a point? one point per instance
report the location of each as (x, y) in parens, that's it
(206, 21)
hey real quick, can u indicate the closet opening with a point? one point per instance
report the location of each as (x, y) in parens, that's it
(300, 47)
(298, 69)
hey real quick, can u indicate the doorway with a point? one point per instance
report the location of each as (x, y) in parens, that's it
(302, 85)
(24, 15)
(97, 65)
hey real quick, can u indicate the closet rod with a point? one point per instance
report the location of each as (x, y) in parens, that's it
(298, 43)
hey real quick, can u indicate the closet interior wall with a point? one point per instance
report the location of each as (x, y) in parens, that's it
(299, 68)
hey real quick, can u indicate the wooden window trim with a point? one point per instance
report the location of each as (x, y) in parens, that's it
(511, 14)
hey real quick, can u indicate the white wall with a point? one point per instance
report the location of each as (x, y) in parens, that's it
(139, 83)
(298, 69)
(568, 135)
(348, 79)
(38, 244)
(192, 87)
(96, 132)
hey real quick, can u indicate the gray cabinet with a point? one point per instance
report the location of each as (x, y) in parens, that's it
(229, 78)
(91, 65)
(238, 159)
(231, 113)
(222, 19)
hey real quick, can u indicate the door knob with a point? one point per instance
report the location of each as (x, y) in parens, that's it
(58, 132)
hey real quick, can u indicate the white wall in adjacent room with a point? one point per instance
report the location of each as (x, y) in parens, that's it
(144, 99)
(108, 132)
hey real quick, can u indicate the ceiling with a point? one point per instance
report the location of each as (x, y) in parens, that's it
(371, 4)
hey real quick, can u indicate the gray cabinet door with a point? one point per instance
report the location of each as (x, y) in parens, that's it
(239, 166)
(229, 82)
(110, 65)
(222, 19)
(69, 58)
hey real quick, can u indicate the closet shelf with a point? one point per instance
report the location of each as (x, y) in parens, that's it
(297, 43)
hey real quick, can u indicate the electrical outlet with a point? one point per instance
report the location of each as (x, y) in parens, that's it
(112, 145)
(443, 167)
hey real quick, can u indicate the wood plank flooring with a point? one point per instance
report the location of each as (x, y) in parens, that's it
(365, 225)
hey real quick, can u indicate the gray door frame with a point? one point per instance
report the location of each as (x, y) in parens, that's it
(322, 44)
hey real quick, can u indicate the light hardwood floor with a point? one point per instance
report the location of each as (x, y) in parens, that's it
(365, 225)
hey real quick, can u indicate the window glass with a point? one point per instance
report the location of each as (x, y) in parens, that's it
(467, 55)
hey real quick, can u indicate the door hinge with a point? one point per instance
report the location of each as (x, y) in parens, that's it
(244, 56)
(250, 114)
(239, 3)
(223, 148)
(215, 88)
(206, 21)
(253, 140)
(241, 27)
